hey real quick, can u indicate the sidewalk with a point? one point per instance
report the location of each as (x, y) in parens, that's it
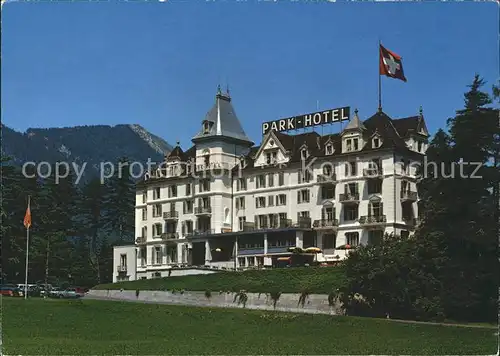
(288, 310)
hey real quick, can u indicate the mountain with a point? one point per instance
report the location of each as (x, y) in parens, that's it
(79, 144)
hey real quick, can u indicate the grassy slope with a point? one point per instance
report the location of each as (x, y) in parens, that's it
(317, 280)
(57, 327)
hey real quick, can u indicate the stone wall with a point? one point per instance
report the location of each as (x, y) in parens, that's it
(315, 303)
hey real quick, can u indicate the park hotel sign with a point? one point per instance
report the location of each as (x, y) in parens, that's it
(308, 120)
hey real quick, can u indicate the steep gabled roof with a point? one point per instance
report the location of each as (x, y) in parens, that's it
(223, 119)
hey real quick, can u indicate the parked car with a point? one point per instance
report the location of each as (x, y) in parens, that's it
(55, 292)
(11, 290)
(71, 293)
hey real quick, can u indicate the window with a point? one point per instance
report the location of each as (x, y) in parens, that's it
(241, 222)
(158, 256)
(352, 238)
(307, 176)
(351, 169)
(144, 214)
(241, 184)
(327, 170)
(375, 237)
(281, 179)
(260, 202)
(419, 146)
(188, 189)
(303, 196)
(281, 199)
(374, 186)
(351, 188)
(188, 206)
(156, 210)
(172, 191)
(375, 209)
(376, 142)
(283, 218)
(270, 180)
(157, 230)
(206, 160)
(403, 166)
(204, 185)
(206, 127)
(355, 144)
(350, 212)
(271, 157)
(261, 181)
(204, 202)
(144, 232)
(123, 260)
(328, 191)
(143, 255)
(329, 149)
(303, 214)
(329, 241)
(144, 197)
(156, 193)
(304, 154)
(262, 219)
(375, 166)
(240, 203)
(328, 213)
(273, 220)
(187, 227)
(348, 145)
(270, 200)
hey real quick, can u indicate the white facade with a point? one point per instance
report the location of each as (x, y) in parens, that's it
(125, 263)
(282, 194)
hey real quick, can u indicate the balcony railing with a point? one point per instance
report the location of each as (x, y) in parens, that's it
(325, 223)
(171, 215)
(349, 197)
(140, 239)
(372, 219)
(251, 250)
(200, 210)
(408, 195)
(372, 172)
(121, 269)
(170, 235)
(326, 178)
(304, 222)
(201, 232)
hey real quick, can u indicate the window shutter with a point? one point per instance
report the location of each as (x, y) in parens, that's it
(256, 221)
(298, 197)
(237, 203)
(308, 195)
(381, 208)
(256, 202)
(370, 208)
(183, 228)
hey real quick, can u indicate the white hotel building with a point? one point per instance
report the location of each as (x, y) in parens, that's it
(226, 203)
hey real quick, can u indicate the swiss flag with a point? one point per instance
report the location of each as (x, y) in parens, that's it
(391, 64)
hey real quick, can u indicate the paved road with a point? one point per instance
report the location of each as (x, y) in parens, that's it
(292, 310)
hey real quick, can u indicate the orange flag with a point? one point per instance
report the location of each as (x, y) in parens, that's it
(27, 217)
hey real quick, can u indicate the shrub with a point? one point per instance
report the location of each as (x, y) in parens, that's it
(303, 297)
(241, 298)
(208, 294)
(275, 296)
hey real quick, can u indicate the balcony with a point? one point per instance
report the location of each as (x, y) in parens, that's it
(373, 172)
(202, 232)
(170, 236)
(326, 224)
(408, 195)
(372, 220)
(349, 198)
(171, 215)
(326, 178)
(140, 240)
(121, 269)
(304, 222)
(203, 210)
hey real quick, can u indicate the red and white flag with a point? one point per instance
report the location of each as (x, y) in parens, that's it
(27, 217)
(391, 64)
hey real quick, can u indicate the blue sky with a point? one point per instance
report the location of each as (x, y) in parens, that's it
(159, 64)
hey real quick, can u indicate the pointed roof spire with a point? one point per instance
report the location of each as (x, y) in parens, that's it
(224, 120)
(355, 123)
(421, 112)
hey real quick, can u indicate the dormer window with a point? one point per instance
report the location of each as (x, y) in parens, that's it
(206, 126)
(329, 149)
(271, 157)
(419, 146)
(376, 142)
(303, 153)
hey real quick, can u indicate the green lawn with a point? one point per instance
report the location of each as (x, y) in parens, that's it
(292, 280)
(85, 327)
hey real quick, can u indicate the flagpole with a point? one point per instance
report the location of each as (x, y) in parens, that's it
(27, 255)
(379, 80)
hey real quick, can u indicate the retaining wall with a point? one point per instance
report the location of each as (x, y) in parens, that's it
(314, 304)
